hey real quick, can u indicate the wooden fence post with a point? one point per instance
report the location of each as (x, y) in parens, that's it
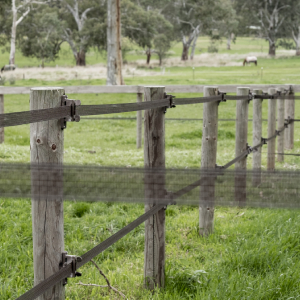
(46, 144)
(280, 124)
(241, 139)
(289, 112)
(1, 112)
(208, 161)
(257, 135)
(271, 130)
(139, 117)
(154, 157)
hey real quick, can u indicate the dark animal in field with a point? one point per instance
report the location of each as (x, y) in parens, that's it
(8, 68)
(250, 59)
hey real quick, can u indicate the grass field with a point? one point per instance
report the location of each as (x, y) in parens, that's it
(253, 253)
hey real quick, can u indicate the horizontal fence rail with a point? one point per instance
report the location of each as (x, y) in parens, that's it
(132, 89)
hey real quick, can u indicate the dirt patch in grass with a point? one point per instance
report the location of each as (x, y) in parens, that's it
(133, 69)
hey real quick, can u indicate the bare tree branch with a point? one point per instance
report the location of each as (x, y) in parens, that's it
(103, 286)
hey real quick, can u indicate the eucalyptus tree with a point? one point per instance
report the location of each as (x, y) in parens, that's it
(40, 35)
(144, 23)
(292, 27)
(83, 26)
(19, 9)
(191, 18)
(270, 15)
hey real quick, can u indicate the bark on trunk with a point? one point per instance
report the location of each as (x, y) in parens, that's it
(80, 58)
(13, 35)
(229, 42)
(193, 47)
(185, 52)
(114, 53)
(148, 53)
(272, 48)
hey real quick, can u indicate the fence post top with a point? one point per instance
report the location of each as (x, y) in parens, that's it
(48, 88)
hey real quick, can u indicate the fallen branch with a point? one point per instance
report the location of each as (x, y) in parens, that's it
(102, 286)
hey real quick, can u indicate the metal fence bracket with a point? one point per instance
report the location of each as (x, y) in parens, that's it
(73, 116)
(70, 259)
(223, 95)
(171, 104)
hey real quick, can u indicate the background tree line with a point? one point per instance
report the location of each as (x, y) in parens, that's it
(39, 27)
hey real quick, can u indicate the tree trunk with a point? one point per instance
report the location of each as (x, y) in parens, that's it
(160, 60)
(80, 58)
(298, 45)
(148, 53)
(229, 42)
(185, 52)
(272, 48)
(194, 44)
(114, 53)
(13, 34)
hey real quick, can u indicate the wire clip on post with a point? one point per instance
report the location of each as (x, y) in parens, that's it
(264, 141)
(249, 149)
(250, 97)
(223, 95)
(73, 117)
(277, 132)
(287, 122)
(171, 104)
(70, 259)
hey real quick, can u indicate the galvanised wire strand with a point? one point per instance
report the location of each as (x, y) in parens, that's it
(27, 117)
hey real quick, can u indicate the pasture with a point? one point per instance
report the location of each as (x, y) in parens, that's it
(253, 253)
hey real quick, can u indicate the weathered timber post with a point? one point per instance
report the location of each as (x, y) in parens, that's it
(208, 161)
(46, 144)
(241, 139)
(289, 112)
(154, 158)
(280, 124)
(271, 130)
(1, 112)
(139, 117)
(257, 135)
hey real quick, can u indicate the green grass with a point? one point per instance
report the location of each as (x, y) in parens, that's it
(254, 255)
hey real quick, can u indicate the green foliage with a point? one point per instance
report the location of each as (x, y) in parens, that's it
(80, 209)
(40, 35)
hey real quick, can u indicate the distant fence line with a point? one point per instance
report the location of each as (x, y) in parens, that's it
(134, 89)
